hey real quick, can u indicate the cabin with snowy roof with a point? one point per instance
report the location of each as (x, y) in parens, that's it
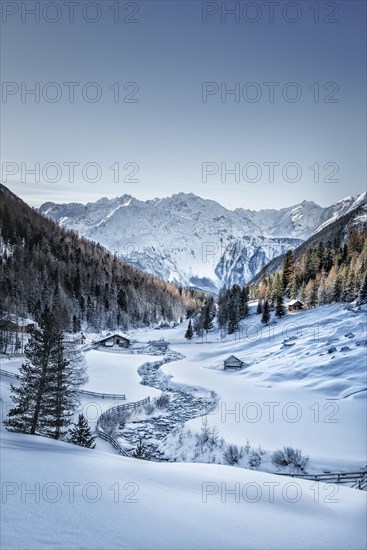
(114, 340)
(233, 363)
(13, 323)
(295, 305)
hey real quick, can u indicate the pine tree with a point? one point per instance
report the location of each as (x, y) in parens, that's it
(266, 313)
(349, 290)
(81, 433)
(311, 293)
(209, 314)
(189, 332)
(279, 308)
(31, 414)
(198, 325)
(259, 308)
(234, 309)
(288, 271)
(47, 395)
(68, 374)
(244, 309)
(362, 293)
(277, 287)
(223, 307)
(337, 288)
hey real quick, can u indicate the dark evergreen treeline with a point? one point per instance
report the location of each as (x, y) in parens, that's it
(202, 319)
(232, 307)
(43, 265)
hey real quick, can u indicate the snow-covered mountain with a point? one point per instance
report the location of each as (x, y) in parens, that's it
(195, 241)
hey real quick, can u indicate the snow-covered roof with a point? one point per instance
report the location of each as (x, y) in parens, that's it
(19, 321)
(233, 357)
(292, 302)
(113, 335)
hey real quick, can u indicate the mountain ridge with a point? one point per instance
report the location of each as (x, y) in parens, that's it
(189, 240)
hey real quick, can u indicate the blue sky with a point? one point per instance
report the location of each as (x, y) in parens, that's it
(164, 131)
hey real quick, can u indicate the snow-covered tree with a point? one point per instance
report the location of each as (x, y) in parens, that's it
(32, 397)
(189, 332)
(81, 433)
(362, 293)
(47, 395)
(265, 318)
(279, 306)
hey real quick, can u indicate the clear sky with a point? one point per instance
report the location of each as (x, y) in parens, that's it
(163, 126)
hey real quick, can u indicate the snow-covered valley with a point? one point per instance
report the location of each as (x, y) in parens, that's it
(303, 384)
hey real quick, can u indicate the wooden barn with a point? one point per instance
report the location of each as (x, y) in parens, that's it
(295, 305)
(112, 340)
(233, 363)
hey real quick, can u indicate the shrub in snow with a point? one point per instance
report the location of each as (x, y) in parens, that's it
(289, 456)
(149, 407)
(261, 451)
(213, 437)
(162, 401)
(247, 447)
(123, 416)
(141, 451)
(254, 459)
(202, 438)
(233, 454)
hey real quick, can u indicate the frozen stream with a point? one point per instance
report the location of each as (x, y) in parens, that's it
(186, 402)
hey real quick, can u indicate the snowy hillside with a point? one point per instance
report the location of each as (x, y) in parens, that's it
(93, 499)
(193, 241)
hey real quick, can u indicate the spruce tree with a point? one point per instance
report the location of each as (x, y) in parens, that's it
(266, 313)
(259, 308)
(223, 307)
(288, 270)
(279, 307)
(32, 397)
(62, 399)
(47, 394)
(244, 309)
(349, 290)
(189, 332)
(362, 293)
(209, 314)
(277, 287)
(337, 288)
(234, 309)
(81, 433)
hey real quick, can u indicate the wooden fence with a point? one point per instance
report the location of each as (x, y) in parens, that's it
(84, 392)
(112, 410)
(357, 479)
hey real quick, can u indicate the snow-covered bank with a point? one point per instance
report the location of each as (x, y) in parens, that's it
(289, 394)
(91, 499)
(117, 372)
